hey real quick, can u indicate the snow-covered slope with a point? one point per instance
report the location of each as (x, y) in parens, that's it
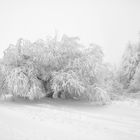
(60, 120)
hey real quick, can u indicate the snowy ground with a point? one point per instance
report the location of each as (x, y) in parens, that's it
(61, 120)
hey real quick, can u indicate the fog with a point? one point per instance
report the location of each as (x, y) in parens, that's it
(110, 24)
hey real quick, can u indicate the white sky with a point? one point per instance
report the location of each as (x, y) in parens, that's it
(108, 23)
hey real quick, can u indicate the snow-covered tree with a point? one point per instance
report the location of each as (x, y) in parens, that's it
(129, 64)
(55, 68)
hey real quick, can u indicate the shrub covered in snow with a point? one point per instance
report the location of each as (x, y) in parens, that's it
(20, 83)
(98, 95)
(67, 85)
(55, 68)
